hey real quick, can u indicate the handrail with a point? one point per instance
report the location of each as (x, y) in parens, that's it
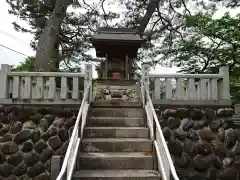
(73, 137)
(163, 142)
(46, 74)
(178, 75)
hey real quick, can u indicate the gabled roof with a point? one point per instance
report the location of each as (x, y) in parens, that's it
(117, 34)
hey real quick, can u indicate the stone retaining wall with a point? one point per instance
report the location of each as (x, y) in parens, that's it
(29, 137)
(202, 142)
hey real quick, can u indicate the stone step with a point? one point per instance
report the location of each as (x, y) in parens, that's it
(116, 145)
(128, 174)
(116, 103)
(115, 121)
(117, 112)
(116, 132)
(115, 160)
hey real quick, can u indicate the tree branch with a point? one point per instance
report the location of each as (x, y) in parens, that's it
(145, 20)
(104, 12)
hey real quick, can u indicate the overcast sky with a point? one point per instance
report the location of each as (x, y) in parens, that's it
(20, 41)
(12, 39)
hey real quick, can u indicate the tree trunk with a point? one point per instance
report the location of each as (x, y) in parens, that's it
(47, 56)
(153, 4)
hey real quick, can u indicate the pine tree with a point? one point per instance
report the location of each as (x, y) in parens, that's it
(59, 36)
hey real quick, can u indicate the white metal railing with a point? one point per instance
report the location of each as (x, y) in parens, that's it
(211, 87)
(69, 161)
(164, 161)
(41, 87)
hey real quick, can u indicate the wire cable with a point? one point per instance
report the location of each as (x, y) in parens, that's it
(13, 37)
(14, 50)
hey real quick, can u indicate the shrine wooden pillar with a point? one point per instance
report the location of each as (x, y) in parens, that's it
(126, 67)
(102, 69)
(106, 66)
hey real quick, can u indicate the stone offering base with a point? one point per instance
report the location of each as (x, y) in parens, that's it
(116, 90)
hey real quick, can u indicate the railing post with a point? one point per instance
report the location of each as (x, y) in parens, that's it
(88, 79)
(4, 81)
(224, 84)
(144, 80)
(55, 167)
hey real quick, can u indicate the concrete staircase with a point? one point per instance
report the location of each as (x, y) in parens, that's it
(116, 145)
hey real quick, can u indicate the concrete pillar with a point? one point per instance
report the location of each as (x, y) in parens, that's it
(144, 80)
(88, 79)
(237, 109)
(224, 87)
(4, 80)
(55, 167)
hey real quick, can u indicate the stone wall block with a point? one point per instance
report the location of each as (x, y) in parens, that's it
(36, 170)
(31, 158)
(43, 176)
(173, 122)
(12, 177)
(203, 148)
(27, 146)
(182, 112)
(22, 136)
(182, 161)
(201, 163)
(169, 113)
(186, 123)
(58, 122)
(20, 169)
(2, 157)
(4, 119)
(9, 148)
(29, 125)
(55, 142)
(46, 154)
(49, 133)
(196, 114)
(50, 118)
(63, 134)
(35, 135)
(4, 128)
(69, 123)
(40, 146)
(43, 124)
(210, 114)
(15, 159)
(12, 117)
(6, 170)
(6, 138)
(36, 118)
(16, 128)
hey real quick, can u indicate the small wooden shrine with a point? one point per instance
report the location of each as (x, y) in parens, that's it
(119, 47)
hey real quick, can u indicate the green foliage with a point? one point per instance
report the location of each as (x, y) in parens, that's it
(27, 65)
(210, 44)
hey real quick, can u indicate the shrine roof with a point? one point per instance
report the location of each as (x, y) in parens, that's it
(117, 34)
